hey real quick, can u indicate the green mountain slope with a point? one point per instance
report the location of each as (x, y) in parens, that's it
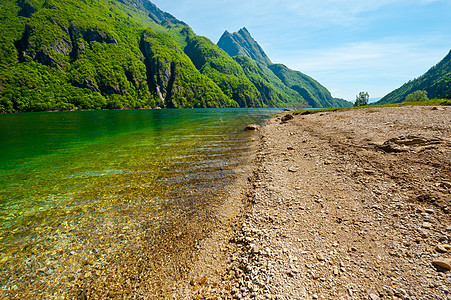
(304, 87)
(111, 54)
(436, 82)
(312, 91)
(272, 91)
(173, 77)
(61, 55)
(214, 63)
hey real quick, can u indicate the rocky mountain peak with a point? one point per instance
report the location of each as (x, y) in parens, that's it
(242, 43)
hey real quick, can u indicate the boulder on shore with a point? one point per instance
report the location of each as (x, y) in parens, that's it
(252, 127)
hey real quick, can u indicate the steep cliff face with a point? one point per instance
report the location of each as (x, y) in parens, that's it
(27, 8)
(35, 45)
(174, 78)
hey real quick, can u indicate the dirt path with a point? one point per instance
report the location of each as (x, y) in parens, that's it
(345, 205)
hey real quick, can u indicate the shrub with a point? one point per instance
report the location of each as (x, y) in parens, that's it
(417, 96)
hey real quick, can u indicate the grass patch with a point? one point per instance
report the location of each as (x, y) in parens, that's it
(432, 102)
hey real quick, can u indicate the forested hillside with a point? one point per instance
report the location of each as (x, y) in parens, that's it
(113, 54)
(62, 55)
(436, 82)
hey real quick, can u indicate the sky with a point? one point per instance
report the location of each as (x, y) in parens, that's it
(348, 46)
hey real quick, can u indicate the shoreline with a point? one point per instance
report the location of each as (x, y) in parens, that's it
(340, 205)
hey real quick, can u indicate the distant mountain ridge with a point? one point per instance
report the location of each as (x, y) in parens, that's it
(310, 90)
(114, 54)
(436, 82)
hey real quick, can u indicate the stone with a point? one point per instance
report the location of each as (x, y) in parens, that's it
(442, 248)
(314, 275)
(446, 184)
(445, 263)
(254, 249)
(427, 225)
(402, 292)
(423, 233)
(292, 169)
(286, 118)
(373, 297)
(320, 257)
(252, 127)
(335, 271)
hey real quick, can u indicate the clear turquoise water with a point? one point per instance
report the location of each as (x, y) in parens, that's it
(71, 182)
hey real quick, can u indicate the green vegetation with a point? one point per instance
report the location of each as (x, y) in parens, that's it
(71, 55)
(302, 84)
(362, 99)
(216, 64)
(312, 91)
(173, 77)
(117, 54)
(272, 91)
(436, 82)
(371, 108)
(75, 54)
(417, 96)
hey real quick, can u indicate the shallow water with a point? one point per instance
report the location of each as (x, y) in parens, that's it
(78, 188)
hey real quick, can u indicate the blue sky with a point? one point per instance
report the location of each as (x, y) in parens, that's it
(347, 45)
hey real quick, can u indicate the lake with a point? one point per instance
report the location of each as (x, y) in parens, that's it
(84, 193)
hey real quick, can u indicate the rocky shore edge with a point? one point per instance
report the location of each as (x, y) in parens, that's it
(339, 205)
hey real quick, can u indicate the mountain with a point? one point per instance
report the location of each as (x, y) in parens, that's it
(436, 82)
(242, 43)
(157, 15)
(66, 55)
(216, 64)
(112, 54)
(271, 89)
(301, 85)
